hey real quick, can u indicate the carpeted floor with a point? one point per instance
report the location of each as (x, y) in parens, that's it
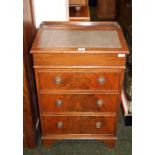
(89, 147)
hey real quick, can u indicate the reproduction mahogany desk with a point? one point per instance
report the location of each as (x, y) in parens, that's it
(79, 70)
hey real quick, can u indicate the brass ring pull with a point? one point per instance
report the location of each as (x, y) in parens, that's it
(59, 125)
(101, 80)
(99, 102)
(98, 125)
(58, 103)
(58, 80)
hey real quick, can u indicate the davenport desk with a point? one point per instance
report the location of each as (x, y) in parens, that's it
(79, 70)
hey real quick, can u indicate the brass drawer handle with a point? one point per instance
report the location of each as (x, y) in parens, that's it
(101, 80)
(59, 125)
(98, 125)
(58, 80)
(99, 102)
(58, 103)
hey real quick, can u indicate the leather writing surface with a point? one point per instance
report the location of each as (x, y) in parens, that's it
(79, 38)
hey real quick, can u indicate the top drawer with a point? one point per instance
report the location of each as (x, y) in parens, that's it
(79, 79)
(48, 60)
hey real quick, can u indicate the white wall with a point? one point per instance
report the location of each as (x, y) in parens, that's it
(51, 10)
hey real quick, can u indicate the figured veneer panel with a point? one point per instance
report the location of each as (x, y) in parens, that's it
(79, 79)
(78, 124)
(78, 102)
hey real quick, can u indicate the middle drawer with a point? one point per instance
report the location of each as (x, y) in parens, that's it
(103, 79)
(78, 102)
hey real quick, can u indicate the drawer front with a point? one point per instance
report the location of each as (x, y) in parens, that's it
(65, 59)
(78, 125)
(78, 102)
(77, 2)
(79, 80)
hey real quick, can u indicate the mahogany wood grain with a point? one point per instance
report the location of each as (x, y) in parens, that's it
(78, 2)
(72, 76)
(30, 109)
(74, 60)
(97, 114)
(106, 9)
(78, 125)
(108, 25)
(80, 136)
(78, 102)
(107, 139)
(79, 79)
(29, 137)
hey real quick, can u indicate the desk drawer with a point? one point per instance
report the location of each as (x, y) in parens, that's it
(106, 79)
(78, 124)
(78, 2)
(78, 102)
(78, 59)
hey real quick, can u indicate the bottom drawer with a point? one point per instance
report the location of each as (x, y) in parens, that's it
(78, 125)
